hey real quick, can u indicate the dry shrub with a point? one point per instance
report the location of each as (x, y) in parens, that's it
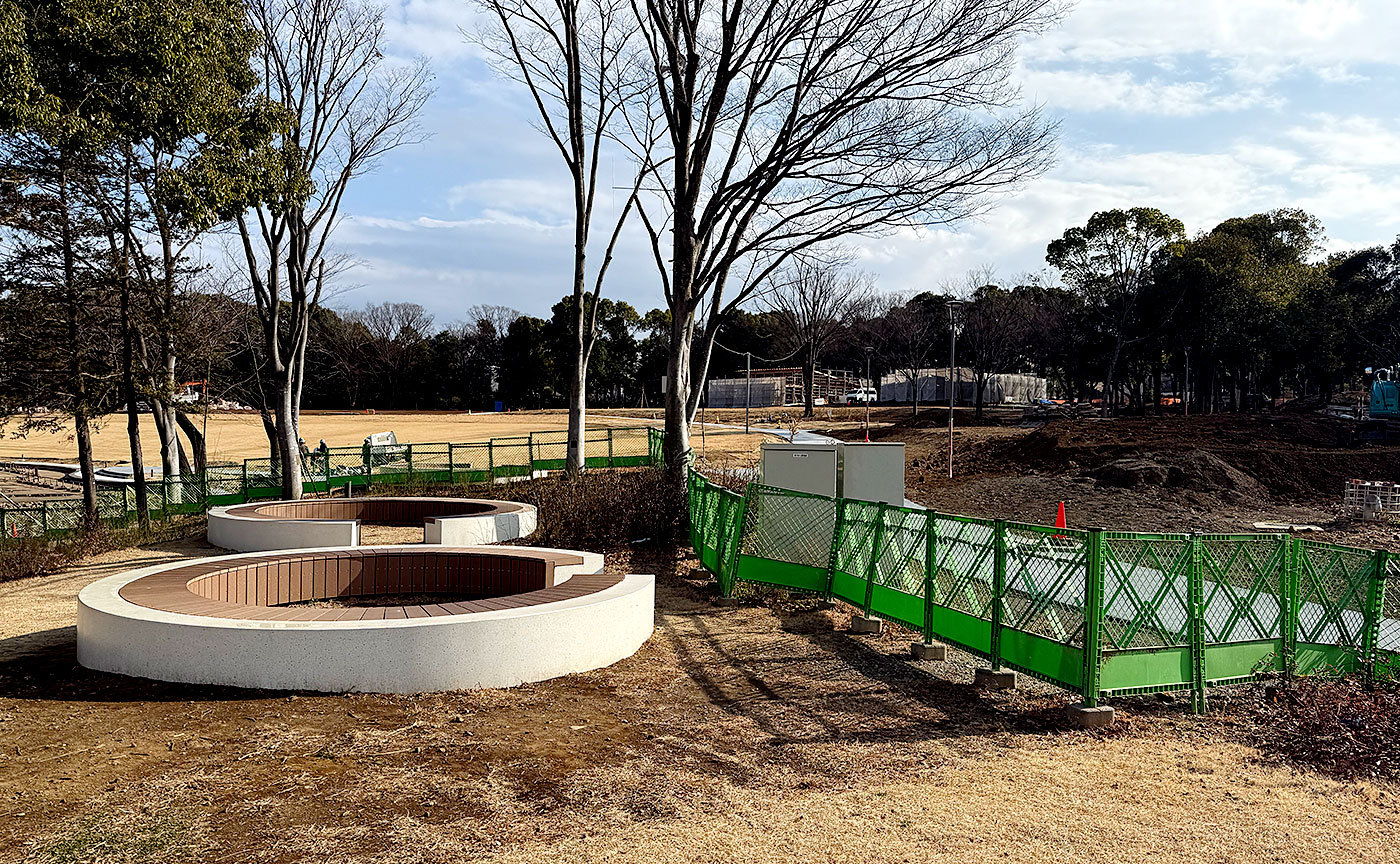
(1337, 725)
(23, 557)
(605, 508)
(596, 509)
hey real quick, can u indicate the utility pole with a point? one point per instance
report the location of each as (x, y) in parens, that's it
(953, 307)
(748, 387)
(865, 395)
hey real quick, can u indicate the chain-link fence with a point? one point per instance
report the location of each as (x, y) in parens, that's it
(1102, 613)
(324, 470)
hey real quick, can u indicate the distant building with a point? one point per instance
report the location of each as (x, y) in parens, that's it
(1004, 388)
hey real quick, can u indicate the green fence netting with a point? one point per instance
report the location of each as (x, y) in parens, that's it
(338, 467)
(1098, 612)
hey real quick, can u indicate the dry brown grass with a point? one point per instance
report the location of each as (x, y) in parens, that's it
(240, 436)
(754, 734)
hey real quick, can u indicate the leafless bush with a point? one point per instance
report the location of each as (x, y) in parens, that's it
(1335, 724)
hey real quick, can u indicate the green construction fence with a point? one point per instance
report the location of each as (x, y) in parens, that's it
(1100, 613)
(357, 467)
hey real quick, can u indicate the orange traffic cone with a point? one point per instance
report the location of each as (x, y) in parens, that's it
(1060, 517)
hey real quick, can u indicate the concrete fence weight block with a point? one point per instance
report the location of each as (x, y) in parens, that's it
(929, 651)
(995, 679)
(863, 626)
(1100, 717)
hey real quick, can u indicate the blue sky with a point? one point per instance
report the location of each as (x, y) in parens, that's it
(1204, 109)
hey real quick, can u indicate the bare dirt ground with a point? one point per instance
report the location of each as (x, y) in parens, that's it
(1210, 474)
(755, 734)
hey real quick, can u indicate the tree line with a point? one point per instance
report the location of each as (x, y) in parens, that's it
(173, 175)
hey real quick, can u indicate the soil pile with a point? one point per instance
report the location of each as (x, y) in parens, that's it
(1283, 456)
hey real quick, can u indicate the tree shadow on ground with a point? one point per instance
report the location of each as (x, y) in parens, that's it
(798, 680)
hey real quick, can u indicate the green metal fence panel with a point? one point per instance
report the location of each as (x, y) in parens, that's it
(1042, 601)
(1244, 582)
(471, 463)
(963, 579)
(731, 526)
(854, 551)
(901, 566)
(786, 539)
(1334, 583)
(510, 457)
(1147, 612)
(1387, 663)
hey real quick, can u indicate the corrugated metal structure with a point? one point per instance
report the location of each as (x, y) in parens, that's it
(1000, 389)
(731, 393)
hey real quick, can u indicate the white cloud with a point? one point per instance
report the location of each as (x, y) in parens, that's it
(1077, 89)
(1259, 39)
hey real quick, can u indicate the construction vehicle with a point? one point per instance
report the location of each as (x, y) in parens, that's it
(1382, 420)
(1385, 396)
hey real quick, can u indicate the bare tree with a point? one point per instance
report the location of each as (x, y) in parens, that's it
(576, 59)
(324, 61)
(995, 324)
(499, 317)
(396, 332)
(793, 122)
(905, 332)
(812, 299)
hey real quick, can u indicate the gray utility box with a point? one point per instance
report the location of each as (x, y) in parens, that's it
(866, 472)
(872, 472)
(800, 467)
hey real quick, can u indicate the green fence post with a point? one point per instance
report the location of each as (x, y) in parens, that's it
(408, 461)
(44, 513)
(243, 488)
(610, 448)
(872, 569)
(721, 544)
(491, 459)
(835, 548)
(530, 446)
(930, 571)
(737, 545)
(1093, 617)
(1196, 590)
(1375, 598)
(451, 465)
(998, 589)
(1289, 608)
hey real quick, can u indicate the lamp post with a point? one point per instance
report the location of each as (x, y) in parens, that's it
(953, 307)
(865, 395)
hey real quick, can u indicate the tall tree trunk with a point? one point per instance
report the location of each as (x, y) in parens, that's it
(133, 416)
(198, 445)
(676, 449)
(76, 372)
(288, 447)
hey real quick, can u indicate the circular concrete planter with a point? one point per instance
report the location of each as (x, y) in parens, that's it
(315, 523)
(210, 621)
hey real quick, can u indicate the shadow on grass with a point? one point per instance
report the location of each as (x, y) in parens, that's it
(798, 680)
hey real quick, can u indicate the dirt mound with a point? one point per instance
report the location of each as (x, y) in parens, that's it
(1195, 470)
(1284, 456)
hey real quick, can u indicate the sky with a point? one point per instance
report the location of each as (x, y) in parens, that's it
(1206, 109)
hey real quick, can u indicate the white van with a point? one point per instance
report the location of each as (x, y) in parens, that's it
(861, 395)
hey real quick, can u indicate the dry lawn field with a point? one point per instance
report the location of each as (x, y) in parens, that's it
(234, 436)
(764, 733)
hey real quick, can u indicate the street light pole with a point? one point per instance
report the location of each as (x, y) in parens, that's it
(953, 307)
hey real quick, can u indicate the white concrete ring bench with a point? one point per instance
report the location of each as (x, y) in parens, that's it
(323, 522)
(473, 617)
